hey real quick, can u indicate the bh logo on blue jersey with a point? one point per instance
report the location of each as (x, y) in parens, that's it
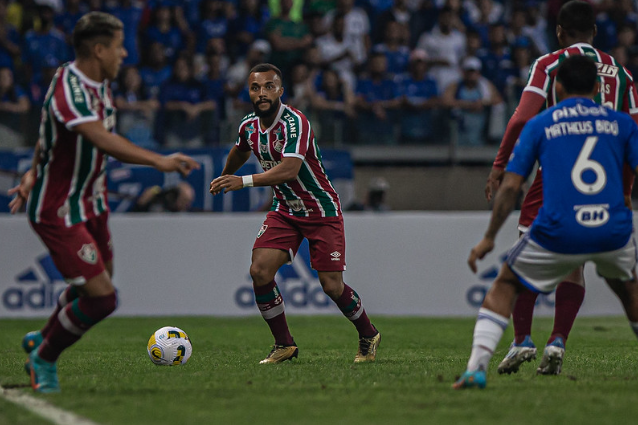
(476, 293)
(36, 288)
(298, 283)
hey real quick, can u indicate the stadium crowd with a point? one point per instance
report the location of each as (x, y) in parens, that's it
(366, 71)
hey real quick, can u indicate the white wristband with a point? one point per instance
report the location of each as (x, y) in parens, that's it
(247, 181)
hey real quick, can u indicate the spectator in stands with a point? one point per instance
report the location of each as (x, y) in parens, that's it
(9, 39)
(422, 20)
(130, 13)
(178, 198)
(420, 97)
(156, 72)
(214, 85)
(237, 74)
(248, 25)
(287, 38)
(496, 60)
(377, 99)
(536, 27)
(356, 28)
(334, 103)
(135, 110)
(185, 104)
(375, 197)
(518, 31)
(522, 61)
(337, 52)
(40, 44)
(66, 20)
(482, 14)
(398, 13)
(470, 99)
(473, 43)
(14, 106)
(445, 47)
(301, 90)
(163, 30)
(395, 52)
(214, 23)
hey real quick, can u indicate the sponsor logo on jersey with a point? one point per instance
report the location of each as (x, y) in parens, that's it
(592, 215)
(88, 253)
(605, 70)
(295, 204)
(279, 140)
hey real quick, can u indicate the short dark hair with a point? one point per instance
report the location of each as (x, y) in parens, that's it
(94, 28)
(265, 67)
(577, 17)
(578, 74)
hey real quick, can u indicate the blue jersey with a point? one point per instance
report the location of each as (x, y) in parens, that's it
(581, 147)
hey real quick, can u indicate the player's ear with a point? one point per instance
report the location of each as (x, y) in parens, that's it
(281, 91)
(559, 32)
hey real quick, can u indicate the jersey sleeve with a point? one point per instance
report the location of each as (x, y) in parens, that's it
(525, 152)
(630, 97)
(538, 79)
(297, 136)
(242, 142)
(71, 101)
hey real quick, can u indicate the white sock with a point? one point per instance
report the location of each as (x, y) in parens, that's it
(487, 334)
(634, 327)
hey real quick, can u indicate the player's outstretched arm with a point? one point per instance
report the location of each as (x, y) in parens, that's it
(528, 107)
(26, 184)
(504, 203)
(284, 172)
(236, 158)
(125, 151)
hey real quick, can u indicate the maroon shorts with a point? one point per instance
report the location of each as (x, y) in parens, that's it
(326, 238)
(80, 251)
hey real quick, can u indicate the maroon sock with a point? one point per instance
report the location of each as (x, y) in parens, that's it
(67, 296)
(523, 314)
(569, 298)
(271, 306)
(350, 305)
(73, 321)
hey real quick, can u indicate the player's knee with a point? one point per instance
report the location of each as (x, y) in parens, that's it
(333, 287)
(260, 274)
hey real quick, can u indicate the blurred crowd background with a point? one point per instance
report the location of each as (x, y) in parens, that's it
(366, 72)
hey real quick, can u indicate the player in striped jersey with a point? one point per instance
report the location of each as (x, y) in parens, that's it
(575, 31)
(305, 205)
(66, 189)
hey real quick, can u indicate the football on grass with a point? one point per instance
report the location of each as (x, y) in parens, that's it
(169, 346)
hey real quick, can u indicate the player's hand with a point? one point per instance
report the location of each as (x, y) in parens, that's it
(479, 251)
(179, 162)
(227, 183)
(493, 182)
(21, 191)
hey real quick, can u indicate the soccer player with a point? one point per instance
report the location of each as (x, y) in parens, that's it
(305, 205)
(575, 31)
(66, 190)
(582, 147)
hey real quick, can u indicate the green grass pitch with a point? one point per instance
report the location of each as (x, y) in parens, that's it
(108, 378)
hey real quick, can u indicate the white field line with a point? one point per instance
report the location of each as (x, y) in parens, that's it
(42, 408)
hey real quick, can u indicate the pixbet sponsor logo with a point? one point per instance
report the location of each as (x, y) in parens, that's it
(298, 283)
(476, 293)
(36, 288)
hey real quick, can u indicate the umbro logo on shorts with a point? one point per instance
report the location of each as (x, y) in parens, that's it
(336, 256)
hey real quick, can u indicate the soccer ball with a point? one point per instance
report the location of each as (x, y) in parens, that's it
(169, 346)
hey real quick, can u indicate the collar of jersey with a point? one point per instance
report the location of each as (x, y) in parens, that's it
(581, 45)
(83, 77)
(274, 123)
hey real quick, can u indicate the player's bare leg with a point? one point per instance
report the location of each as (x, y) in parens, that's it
(265, 263)
(628, 294)
(350, 305)
(492, 320)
